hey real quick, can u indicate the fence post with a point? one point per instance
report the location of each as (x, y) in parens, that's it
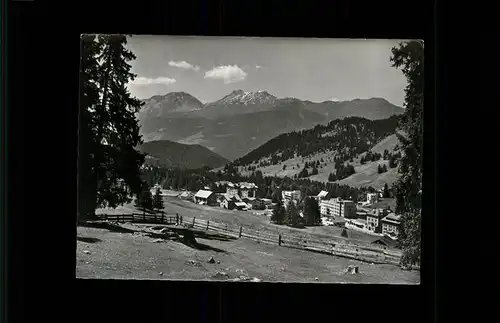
(208, 223)
(279, 240)
(155, 217)
(144, 214)
(226, 227)
(241, 229)
(194, 219)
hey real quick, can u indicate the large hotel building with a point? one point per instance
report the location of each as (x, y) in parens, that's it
(338, 207)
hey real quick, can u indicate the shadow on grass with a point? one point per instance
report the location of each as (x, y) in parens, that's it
(203, 234)
(88, 239)
(200, 246)
(106, 226)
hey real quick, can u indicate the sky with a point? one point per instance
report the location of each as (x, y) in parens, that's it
(309, 69)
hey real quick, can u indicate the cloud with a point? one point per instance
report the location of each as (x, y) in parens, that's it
(184, 64)
(258, 66)
(148, 81)
(228, 73)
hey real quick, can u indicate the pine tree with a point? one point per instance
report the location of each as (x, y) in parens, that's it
(387, 192)
(109, 172)
(144, 199)
(409, 56)
(379, 169)
(384, 168)
(284, 167)
(158, 200)
(278, 215)
(292, 214)
(311, 211)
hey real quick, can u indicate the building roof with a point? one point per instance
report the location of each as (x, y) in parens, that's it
(185, 194)
(386, 241)
(240, 204)
(392, 218)
(338, 219)
(203, 194)
(323, 194)
(247, 185)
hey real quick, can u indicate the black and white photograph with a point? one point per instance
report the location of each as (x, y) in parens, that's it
(250, 159)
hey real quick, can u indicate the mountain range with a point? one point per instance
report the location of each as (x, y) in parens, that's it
(242, 121)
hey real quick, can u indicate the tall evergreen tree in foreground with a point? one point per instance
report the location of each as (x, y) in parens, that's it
(109, 165)
(409, 56)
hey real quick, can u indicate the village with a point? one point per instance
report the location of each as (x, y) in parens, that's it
(372, 217)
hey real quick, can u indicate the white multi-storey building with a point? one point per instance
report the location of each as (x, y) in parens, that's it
(338, 208)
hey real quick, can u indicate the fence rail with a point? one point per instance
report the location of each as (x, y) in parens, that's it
(368, 252)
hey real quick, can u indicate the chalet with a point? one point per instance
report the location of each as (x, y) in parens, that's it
(232, 189)
(268, 203)
(241, 206)
(255, 203)
(186, 195)
(205, 197)
(323, 195)
(247, 189)
(228, 202)
(386, 241)
(338, 221)
(391, 224)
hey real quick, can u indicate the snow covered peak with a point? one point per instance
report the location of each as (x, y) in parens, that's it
(243, 97)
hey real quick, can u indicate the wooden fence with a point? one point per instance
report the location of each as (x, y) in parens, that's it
(333, 246)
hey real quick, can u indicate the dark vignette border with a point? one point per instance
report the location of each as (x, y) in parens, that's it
(210, 301)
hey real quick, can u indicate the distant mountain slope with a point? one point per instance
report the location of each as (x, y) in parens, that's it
(160, 106)
(231, 136)
(342, 141)
(171, 154)
(346, 137)
(372, 109)
(242, 121)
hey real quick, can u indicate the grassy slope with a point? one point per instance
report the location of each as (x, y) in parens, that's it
(366, 175)
(127, 256)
